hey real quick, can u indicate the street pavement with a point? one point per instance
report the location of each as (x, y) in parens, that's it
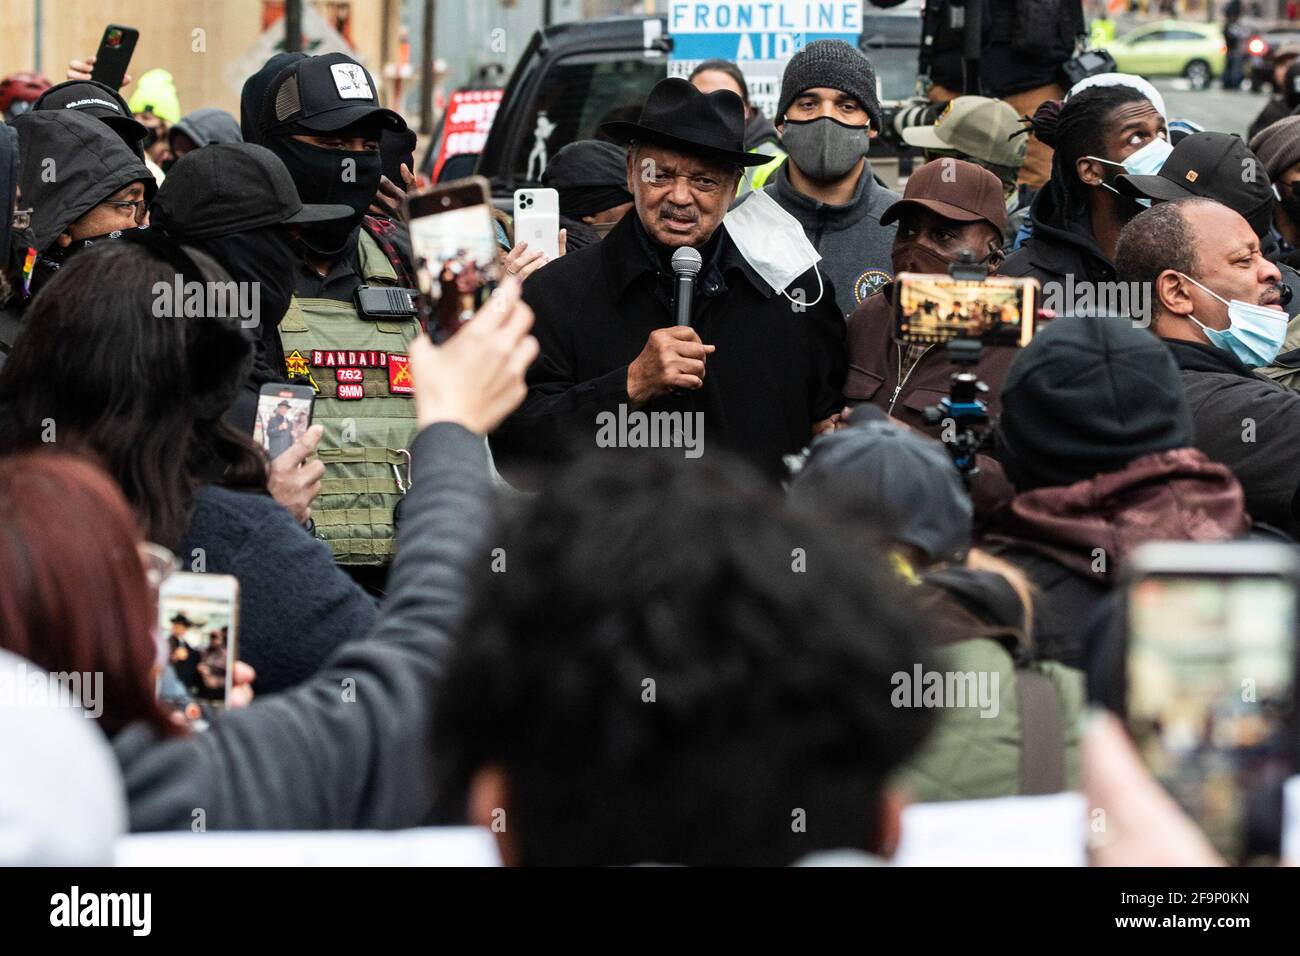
(1230, 111)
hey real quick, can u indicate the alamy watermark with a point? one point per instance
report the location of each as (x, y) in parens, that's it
(1123, 299)
(639, 429)
(922, 688)
(30, 687)
(233, 300)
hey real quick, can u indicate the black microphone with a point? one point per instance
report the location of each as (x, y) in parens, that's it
(686, 266)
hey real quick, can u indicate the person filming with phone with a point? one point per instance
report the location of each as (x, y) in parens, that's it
(950, 206)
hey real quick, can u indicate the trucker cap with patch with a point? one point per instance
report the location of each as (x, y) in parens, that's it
(325, 93)
(984, 129)
(232, 187)
(1211, 165)
(96, 99)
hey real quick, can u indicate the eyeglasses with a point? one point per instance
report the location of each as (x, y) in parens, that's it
(137, 206)
(159, 564)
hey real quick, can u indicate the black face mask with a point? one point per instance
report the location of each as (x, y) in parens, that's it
(49, 262)
(267, 256)
(322, 177)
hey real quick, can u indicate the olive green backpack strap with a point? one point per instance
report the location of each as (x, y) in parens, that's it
(1042, 744)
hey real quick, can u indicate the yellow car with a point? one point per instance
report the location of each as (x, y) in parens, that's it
(1172, 48)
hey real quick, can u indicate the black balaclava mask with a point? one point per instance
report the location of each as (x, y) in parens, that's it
(328, 176)
(268, 257)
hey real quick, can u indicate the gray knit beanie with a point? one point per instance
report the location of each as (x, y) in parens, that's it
(835, 64)
(1278, 146)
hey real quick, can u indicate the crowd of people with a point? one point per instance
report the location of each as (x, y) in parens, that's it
(459, 604)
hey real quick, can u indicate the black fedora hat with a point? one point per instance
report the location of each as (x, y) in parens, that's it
(680, 117)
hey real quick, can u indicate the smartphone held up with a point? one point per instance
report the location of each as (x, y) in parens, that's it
(1210, 677)
(283, 416)
(198, 619)
(454, 243)
(934, 309)
(114, 55)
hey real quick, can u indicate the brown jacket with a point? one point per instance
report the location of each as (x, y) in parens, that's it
(875, 361)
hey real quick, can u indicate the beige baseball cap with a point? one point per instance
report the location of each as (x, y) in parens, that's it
(982, 128)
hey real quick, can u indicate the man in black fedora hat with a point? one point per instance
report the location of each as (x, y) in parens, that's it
(758, 368)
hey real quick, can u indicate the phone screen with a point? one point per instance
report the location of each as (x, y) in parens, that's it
(455, 248)
(1211, 661)
(198, 621)
(931, 309)
(283, 416)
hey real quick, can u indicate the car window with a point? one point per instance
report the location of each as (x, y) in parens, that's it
(1183, 35)
(891, 43)
(896, 72)
(580, 93)
(1151, 37)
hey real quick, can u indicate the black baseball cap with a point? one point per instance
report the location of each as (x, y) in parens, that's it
(97, 99)
(325, 93)
(1210, 165)
(232, 187)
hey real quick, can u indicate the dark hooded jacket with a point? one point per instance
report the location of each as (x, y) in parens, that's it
(207, 126)
(1061, 244)
(91, 163)
(1071, 540)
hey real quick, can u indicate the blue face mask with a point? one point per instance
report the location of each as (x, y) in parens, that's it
(1147, 161)
(1255, 332)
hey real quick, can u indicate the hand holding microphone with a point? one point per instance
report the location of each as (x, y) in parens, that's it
(673, 358)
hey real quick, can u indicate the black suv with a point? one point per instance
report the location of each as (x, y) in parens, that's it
(575, 76)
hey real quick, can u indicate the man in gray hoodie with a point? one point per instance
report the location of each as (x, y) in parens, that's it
(826, 115)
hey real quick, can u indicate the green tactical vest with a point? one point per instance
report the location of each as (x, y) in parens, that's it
(359, 370)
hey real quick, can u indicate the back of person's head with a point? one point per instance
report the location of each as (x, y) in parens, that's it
(728, 68)
(672, 667)
(590, 176)
(76, 598)
(874, 470)
(1079, 128)
(1291, 86)
(1086, 397)
(110, 360)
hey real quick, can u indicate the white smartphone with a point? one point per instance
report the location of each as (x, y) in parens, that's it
(537, 220)
(198, 619)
